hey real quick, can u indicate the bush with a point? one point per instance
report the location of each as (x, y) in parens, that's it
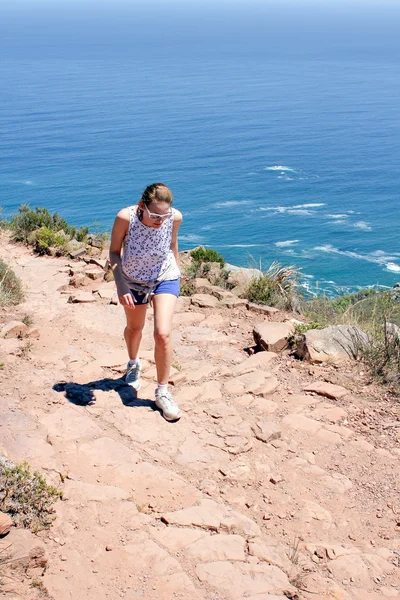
(382, 356)
(26, 496)
(44, 238)
(187, 287)
(11, 291)
(367, 309)
(26, 221)
(276, 287)
(207, 255)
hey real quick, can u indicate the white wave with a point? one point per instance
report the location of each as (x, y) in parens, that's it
(286, 243)
(362, 225)
(231, 203)
(338, 216)
(300, 211)
(287, 209)
(280, 168)
(310, 205)
(379, 257)
(391, 266)
(191, 237)
(28, 182)
(239, 245)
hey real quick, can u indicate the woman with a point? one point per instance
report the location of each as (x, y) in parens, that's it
(148, 271)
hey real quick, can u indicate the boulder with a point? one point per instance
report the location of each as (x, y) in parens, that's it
(272, 336)
(81, 297)
(332, 344)
(232, 302)
(260, 309)
(5, 524)
(202, 285)
(322, 388)
(94, 273)
(78, 253)
(14, 329)
(204, 300)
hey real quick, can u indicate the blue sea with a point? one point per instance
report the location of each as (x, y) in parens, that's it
(276, 125)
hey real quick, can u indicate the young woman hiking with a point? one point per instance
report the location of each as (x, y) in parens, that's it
(144, 259)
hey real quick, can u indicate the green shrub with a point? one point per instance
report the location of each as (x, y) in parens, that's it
(367, 309)
(26, 496)
(207, 255)
(276, 287)
(187, 287)
(44, 238)
(26, 221)
(11, 291)
(382, 356)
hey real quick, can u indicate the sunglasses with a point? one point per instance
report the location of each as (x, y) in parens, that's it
(157, 217)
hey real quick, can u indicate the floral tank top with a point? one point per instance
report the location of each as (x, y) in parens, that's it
(147, 254)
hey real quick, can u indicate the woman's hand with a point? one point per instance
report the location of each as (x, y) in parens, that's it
(127, 300)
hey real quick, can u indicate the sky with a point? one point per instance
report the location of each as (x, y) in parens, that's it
(59, 27)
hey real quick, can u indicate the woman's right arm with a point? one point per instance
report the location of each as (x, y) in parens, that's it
(119, 231)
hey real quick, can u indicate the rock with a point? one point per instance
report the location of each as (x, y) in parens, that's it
(33, 333)
(256, 382)
(266, 431)
(312, 513)
(5, 524)
(232, 302)
(79, 280)
(214, 517)
(273, 337)
(270, 551)
(203, 286)
(221, 294)
(106, 292)
(81, 297)
(332, 344)
(350, 567)
(203, 335)
(258, 361)
(327, 389)
(103, 263)
(94, 273)
(207, 515)
(319, 588)
(189, 318)
(261, 309)
(237, 580)
(14, 329)
(218, 547)
(241, 275)
(96, 242)
(204, 300)
(220, 411)
(77, 253)
(176, 538)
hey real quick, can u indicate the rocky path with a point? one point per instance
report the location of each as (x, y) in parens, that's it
(270, 487)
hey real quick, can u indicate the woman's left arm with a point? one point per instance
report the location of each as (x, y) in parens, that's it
(174, 241)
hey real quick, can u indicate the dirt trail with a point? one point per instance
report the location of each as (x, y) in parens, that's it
(261, 491)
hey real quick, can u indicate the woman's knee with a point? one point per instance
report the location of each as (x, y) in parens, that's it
(162, 338)
(132, 329)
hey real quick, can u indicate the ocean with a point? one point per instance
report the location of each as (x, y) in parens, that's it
(277, 130)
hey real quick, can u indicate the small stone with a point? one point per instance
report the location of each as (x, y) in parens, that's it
(5, 524)
(109, 548)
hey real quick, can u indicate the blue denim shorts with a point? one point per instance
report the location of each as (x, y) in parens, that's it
(171, 286)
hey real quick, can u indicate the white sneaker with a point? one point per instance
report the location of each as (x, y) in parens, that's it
(168, 406)
(132, 376)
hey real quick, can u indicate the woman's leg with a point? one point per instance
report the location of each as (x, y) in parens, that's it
(164, 306)
(135, 318)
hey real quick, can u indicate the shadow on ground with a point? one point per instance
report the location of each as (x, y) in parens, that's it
(82, 394)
